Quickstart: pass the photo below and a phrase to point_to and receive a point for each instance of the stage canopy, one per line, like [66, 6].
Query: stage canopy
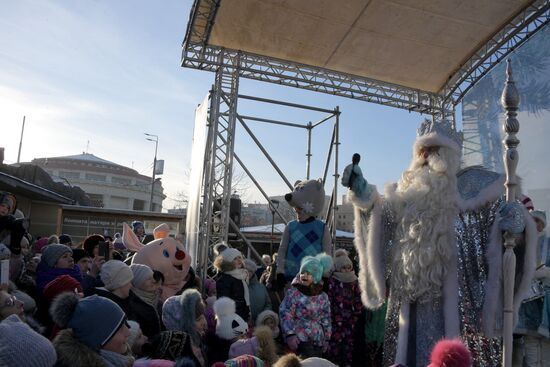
[431, 47]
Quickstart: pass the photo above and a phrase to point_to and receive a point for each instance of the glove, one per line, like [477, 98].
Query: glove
[512, 219]
[354, 180]
[292, 342]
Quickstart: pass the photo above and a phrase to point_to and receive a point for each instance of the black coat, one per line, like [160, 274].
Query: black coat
[228, 286]
[135, 309]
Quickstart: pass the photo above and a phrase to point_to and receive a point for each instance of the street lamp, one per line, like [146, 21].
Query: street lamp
[273, 204]
[154, 138]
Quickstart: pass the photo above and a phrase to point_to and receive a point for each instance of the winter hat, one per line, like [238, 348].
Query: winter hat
[180, 312]
[210, 287]
[65, 239]
[79, 254]
[317, 362]
[22, 346]
[250, 265]
[8, 199]
[40, 244]
[91, 242]
[94, 320]
[230, 254]
[63, 283]
[341, 259]
[527, 202]
[115, 274]
[136, 225]
[229, 325]
[53, 252]
[245, 361]
[219, 248]
[141, 274]
[316, 266]
[169, 345]
[450, 353]
[134, 332]
[267, 314]
[243, 346]
[540, 215]
[266, 260]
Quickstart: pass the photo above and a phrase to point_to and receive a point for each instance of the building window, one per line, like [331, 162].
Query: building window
[94, 177]
[139, 204]
[96, 199]
[121, 181]
[119, 202]
[69, 175]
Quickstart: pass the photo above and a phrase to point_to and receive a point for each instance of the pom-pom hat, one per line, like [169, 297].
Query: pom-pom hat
[341, 259]
[316, 266]
[229, 325]
[230, 254]
[94, 320]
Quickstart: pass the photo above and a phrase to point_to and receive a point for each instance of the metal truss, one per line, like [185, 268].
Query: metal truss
[267, 69]
[215, 217]
[510, 37]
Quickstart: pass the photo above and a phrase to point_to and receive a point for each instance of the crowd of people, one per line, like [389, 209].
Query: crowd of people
[66, 305]
[423, 288]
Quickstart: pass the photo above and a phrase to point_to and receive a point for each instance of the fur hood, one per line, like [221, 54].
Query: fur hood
[222, 265]
[71, 352]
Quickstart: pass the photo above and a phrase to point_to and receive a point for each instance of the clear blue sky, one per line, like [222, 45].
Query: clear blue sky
[108, 71]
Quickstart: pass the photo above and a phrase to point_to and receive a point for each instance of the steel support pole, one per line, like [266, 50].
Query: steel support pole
[336, 175]
[218, 177]
[308, 155]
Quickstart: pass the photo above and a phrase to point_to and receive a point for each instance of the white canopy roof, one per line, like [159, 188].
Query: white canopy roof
[418, 44]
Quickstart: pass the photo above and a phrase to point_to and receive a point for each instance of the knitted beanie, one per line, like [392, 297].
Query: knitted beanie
[22, 346]
[91, 242]
[115, 274]
[230, 254]
[245, 361]
[341, 259]
[65, 239]
[94, 320]
[316, 266]
[63, 283]
[40, 244]
[141, 274]
[250, 265]
[79, 254]
[53, 252]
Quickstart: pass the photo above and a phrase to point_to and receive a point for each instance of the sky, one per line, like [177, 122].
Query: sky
[96, 75]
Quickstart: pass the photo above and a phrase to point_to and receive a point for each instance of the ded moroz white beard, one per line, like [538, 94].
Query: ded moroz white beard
[425, 203]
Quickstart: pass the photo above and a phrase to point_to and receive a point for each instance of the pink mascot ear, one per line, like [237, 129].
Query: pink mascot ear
[161, 231]
[129, 238]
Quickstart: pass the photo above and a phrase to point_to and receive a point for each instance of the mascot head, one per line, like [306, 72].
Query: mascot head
[164, 254]
[308, 196]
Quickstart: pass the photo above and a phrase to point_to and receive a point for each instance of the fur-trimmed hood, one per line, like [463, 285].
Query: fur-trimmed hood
[72, 353]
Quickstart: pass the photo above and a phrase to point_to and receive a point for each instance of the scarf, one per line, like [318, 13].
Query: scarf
[311, 290]
[151, 298]
[345, 277]
[242, 275]
[113, 359]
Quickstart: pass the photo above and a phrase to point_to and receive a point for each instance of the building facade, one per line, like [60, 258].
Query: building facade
[108, 184]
